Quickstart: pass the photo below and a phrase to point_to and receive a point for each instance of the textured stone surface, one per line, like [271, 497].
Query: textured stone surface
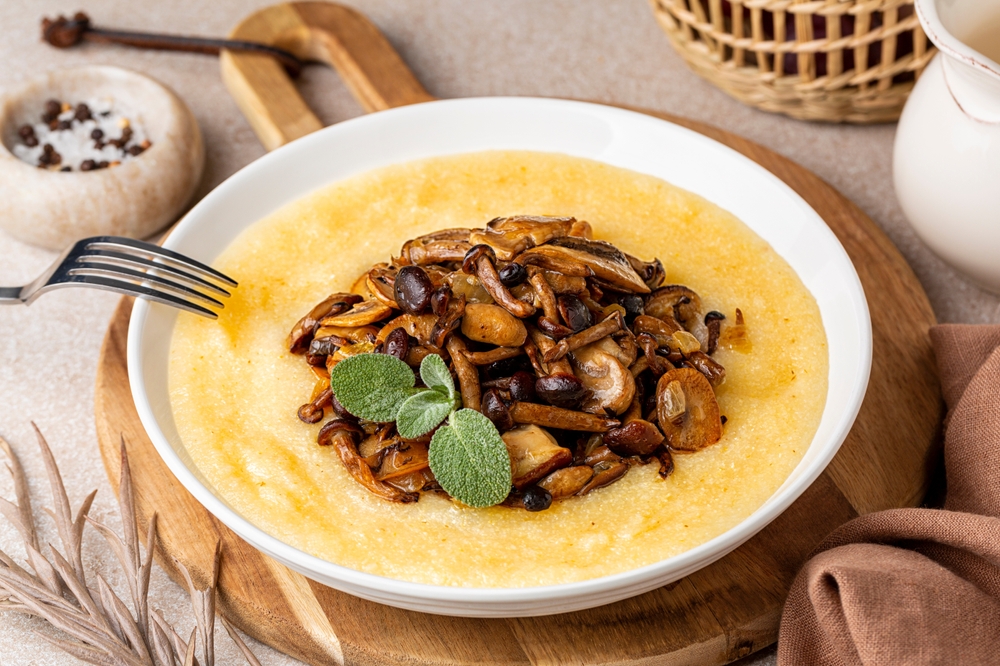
[590, 49]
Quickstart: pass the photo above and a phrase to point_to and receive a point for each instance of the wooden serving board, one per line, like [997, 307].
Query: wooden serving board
[716, 615]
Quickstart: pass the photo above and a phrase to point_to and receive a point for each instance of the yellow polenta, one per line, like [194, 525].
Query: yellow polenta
[235, 387]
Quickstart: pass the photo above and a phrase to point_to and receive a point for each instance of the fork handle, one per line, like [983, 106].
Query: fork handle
[10, 295]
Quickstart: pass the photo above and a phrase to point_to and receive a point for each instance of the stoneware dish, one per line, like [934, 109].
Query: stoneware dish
[614, 136]
[138, 198]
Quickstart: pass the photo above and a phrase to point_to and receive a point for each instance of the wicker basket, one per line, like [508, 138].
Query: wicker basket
[849, 61]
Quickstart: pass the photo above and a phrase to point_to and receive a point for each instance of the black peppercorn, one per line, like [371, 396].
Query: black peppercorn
[88, 165]
[24, 131]
[82, 112]
[537, 498]
[97, 134]
[53, 108]
[65, 124]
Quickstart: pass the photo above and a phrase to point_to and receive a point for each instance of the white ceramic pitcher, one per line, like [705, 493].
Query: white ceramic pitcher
[947, 156]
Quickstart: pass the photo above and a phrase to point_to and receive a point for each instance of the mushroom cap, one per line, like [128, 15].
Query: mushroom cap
[494, 325]
[607, 262]
[610, 385]
[509, 236]
[533, 454]
[696, 423]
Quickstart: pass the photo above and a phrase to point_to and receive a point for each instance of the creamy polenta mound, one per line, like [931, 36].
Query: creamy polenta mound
[236, 387]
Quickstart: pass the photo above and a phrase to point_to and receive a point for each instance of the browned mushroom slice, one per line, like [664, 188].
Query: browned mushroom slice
[509, 236]
[567, 481]
[533, 454]
[661, 329]
[342, 436]
[494, 355]
[605, 473]
[651, 360]
[380, 282]
[449, 321]
[565, 284]
[481, 261]
[413, 482]
[494, 325]
[601, 454]
[684, 305]
[438, 247]
[708, 366]
[602, 329]
[636, 438]
[468, 376]
[713, 322]
[605, 260]
[362, 314]
[419, 326]
[651, 272]
[348, 333]
[563, 419]
[302, 332]
[403, 458]
[666, 463]
[687, 410]
[610, 386]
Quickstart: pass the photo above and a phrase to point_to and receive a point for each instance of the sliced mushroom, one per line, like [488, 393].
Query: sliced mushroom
[708, 366]
[494, 325]
[565, 284]
[481, 260]
[661, 329]
[342, 436]
[684, 305]
[713, 322]
[605, 473]
[636, 436]
[606, 261]
[380, 283]
[362, 314]
[651, 272]
[448, 321]
[533, 454]
[656, 363]
[468, 376]
[567, 481]
[612, 324]
[666, 463]
[563, 419]
[403, 458]
[438, 247]
[302, 332]
[509, 236]
[610, 386]
[419, 326]
[494, 355]
[687, 410]
[601, 454]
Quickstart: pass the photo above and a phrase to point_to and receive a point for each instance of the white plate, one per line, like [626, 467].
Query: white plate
[614, 136]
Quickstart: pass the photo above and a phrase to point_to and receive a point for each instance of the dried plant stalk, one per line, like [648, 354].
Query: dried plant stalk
[98, 627]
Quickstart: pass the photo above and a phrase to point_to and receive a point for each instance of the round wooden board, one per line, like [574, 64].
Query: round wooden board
[716, 615]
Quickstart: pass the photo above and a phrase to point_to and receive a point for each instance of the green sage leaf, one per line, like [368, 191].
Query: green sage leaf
[372, 386]
[435, 374]
[422, 412]
[470, 460]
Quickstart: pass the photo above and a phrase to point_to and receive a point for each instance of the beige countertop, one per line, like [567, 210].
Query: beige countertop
[601, 50]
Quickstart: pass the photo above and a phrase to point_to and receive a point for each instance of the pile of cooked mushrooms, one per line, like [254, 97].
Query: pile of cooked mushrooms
[585, 362]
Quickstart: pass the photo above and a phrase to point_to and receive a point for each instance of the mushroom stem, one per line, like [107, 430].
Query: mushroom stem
[344, 444]
[612, 324]
[490, 279]
[493, 355]
[556, 417]
[468, 376]
[546, 296]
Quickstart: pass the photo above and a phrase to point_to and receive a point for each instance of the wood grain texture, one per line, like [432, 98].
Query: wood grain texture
[716, 615]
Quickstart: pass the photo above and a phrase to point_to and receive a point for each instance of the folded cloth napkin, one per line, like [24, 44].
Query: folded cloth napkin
[917, 586]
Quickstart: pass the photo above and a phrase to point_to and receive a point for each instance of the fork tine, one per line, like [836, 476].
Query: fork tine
[119, 259]
[130, 289]
[119, 273]
[116, 243]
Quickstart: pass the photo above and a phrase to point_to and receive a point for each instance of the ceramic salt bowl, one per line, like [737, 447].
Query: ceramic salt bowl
[136, 198]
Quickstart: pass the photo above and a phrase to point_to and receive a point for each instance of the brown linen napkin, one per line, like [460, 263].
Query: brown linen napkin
[917, 586]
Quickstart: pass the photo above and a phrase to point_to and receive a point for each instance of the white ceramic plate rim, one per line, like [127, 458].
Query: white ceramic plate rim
[461, 117]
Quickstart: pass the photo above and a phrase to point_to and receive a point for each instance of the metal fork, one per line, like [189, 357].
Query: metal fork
[134, 268]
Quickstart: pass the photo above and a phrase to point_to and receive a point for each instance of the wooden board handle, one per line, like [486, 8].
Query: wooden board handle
[319, 31]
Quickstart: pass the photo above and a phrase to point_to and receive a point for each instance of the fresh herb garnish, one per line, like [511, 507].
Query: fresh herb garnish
[467, 456]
